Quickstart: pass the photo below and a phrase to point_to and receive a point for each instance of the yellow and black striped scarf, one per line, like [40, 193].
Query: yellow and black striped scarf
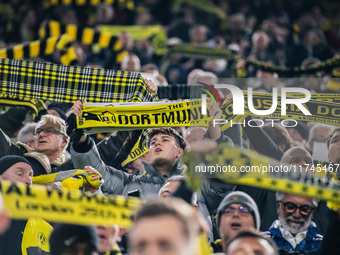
[128, 4]
[87, 36]
[59, 45]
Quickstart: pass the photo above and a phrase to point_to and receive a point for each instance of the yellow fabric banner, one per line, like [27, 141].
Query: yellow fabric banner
[69, 206]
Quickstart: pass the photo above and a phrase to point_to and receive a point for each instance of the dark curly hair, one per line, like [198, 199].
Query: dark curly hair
[167, 131]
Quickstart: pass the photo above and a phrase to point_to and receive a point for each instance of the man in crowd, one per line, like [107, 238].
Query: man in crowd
[163, 228]
[50, 143]
[166, 147]
[298, 157]
[295, 230]
[170, 186]
[249, 243]
[319, 133]
[237, 212]
[69, 239]
[26, 134]
[17, 169]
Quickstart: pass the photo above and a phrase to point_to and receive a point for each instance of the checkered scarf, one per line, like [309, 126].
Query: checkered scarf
[54, 82]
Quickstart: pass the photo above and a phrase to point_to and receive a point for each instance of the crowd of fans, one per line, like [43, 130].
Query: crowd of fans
[235, 219]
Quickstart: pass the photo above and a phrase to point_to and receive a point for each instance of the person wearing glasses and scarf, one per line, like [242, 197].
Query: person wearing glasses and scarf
[236, 212]
[50, 143]
[294, 230]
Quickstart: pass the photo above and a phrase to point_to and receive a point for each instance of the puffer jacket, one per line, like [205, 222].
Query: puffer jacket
[117, 182]
[312, 241]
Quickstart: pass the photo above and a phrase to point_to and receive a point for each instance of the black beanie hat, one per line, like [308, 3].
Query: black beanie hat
[8, 161]
[66, 235]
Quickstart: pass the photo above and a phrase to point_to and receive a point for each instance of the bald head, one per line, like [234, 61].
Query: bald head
[297, 156]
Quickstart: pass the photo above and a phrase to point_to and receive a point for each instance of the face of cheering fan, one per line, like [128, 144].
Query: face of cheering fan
[19, 172]
[295, 212]
[164, 148]
[50, 140]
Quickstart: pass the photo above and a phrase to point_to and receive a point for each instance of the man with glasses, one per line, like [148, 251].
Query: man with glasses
[295, 230]
[50, 143]
[237, 212]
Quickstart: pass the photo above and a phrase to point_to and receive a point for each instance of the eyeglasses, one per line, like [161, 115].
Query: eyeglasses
[243, 210]
[47, 131]
[290, 207]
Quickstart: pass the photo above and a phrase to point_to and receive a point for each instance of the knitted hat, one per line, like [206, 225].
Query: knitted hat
[8, 161]
[66, 235]
[239, 197]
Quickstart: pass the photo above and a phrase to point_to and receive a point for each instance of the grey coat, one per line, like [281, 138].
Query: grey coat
[117, 182]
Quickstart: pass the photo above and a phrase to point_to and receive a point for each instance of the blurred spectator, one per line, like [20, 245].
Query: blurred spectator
[260, 51]
[311, 82]
[144, 19]
[153, 70]
[173, 215]
[28, 26]
[317, 45]
[131, 63]
[126, 39]
[68, 16]
[26, 134]
[180, 25]
[319, 133]
[236, 29]
[279, 135]
[104, 14]
[251, 242]
[299, 132]
[266, 81]
[108, 238]
[73, 239]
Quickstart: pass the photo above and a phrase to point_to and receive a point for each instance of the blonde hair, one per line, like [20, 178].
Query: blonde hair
[59, 123]
[51, 119]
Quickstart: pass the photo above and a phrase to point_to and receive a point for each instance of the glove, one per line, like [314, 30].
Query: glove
[71, 129]
[71, 179]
